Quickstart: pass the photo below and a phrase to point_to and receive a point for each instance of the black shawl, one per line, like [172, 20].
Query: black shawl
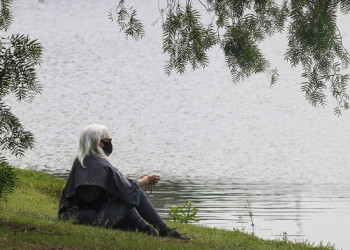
[99, 172]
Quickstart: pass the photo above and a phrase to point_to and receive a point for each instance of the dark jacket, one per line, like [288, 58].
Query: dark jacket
[98, 172]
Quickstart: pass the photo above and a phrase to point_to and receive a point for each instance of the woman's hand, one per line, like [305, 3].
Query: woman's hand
[149, 179]
[153, 179]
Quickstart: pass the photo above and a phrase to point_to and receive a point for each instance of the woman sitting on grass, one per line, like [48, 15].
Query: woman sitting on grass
[97, 193]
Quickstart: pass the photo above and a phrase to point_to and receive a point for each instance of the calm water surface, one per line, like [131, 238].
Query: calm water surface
[228, 148]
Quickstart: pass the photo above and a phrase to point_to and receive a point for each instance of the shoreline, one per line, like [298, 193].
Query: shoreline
[29, 221]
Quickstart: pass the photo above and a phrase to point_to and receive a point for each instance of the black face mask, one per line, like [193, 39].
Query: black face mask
[107, 146]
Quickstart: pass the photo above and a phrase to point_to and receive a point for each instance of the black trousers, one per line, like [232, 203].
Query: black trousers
[119, 215]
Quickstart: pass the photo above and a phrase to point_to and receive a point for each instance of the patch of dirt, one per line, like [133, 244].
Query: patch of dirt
[6, 243]
[21, 228]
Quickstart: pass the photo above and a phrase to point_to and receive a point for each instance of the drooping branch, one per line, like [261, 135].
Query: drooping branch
[238, 27]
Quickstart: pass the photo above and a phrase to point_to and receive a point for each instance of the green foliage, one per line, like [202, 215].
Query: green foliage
[13, 137]
[238, 27]
[250, 23]
[8, 180]
[18, 58]
[185, 214]
[5, 14]
[185, 39]
[315, 43]
[127, 21]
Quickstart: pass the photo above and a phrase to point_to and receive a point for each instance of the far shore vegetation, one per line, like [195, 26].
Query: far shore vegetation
[28, 220]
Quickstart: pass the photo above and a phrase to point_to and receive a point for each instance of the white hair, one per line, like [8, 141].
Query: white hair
[89, 142]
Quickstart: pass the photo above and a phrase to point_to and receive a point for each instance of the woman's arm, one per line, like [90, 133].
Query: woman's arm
[148, 179]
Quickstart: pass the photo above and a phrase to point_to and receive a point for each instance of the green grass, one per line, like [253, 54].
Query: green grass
[29, 221]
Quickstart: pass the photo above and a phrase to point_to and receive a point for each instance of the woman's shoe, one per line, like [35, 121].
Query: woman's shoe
[150, 231]
[172, 233]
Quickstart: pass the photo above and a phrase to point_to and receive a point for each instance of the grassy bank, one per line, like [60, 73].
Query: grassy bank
[29, 221]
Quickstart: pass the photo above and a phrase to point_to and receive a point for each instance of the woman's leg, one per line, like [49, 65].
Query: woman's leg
[149, 213]
[118, 214]
[112, 212]
[87, 217]
[133, 218]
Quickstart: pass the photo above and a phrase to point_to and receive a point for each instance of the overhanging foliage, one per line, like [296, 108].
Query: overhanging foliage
[239, 26]
[18, 58]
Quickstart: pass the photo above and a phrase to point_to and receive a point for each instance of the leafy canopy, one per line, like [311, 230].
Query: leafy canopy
[18, 58]
[239, 26]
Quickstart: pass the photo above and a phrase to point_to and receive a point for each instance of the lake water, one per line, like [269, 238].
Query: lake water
[229, 148]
